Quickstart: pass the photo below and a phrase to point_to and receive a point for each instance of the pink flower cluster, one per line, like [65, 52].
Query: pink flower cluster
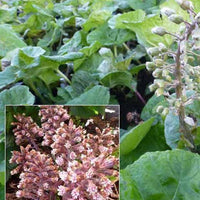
[73, 164]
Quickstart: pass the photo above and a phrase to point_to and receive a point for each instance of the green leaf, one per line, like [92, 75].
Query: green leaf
[108, 36]
[113, 79]
[17, 95]
[65, 58]
[128, 188]
[172, 133]
[127, 20]
[164, 175]
[86, 112]
[74, 44]
[82, 80]
[7, 14]
[96, 95]
[132, 138]
[89, 64]
[136, 21]
[153, 141]
[96, 18]
[65, 94]
[143, 4]
[89, 50]
[9, 40]
[8, 76]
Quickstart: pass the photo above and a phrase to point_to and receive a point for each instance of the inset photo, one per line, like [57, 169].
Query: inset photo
[62, 152]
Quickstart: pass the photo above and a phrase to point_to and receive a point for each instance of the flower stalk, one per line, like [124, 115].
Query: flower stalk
[181, 75]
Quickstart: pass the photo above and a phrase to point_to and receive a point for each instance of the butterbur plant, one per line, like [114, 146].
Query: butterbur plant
[62, 160]
[176, 69]
[159, 158]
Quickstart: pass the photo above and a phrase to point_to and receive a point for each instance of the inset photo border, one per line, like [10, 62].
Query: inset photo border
[62, 152]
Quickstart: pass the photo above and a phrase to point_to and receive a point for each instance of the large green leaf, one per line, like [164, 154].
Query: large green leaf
[8, 76]
[113, 79]
[143, 4]
[172, 133]
[127, 20]
[153, 141]
[96, 95]
[7, 14]
[82, 80]
[73, 44]
[128, 187]
[167, 175]
[96, 18]
[89, 64]
[9, 40]
[17, 95]
[136, 21]
[108, 36]
[130, 140]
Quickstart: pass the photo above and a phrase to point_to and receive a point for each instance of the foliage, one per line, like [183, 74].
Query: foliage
[94, 52]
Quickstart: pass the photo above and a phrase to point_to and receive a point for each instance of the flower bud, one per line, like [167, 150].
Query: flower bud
[189, 121]
[159, 62]
[196, 34]
[198, 17]
[153, 51]
[168, 78]
[185, 5]
[159, 83]
[153, 87]
[159, 109]
[165, 72]
[158, 30]
[191, 59]
[159, 92]
[157, 73]
[177, 19]
[162, 47]
[150, 66]
[167, 11]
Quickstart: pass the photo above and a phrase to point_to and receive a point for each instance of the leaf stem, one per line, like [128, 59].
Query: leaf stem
[115, 51]
[140, 97]
[63, 76]
[126, 46]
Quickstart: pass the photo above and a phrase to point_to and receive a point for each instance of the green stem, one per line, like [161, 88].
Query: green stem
[126, 46]
[63, 76]
[115, 51]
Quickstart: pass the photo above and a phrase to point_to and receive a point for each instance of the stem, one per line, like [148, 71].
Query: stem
[173, 35]
[179, 93]
[126, 46]
[115, 51]
[63, 76]
[140, 97]
[32, 142]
